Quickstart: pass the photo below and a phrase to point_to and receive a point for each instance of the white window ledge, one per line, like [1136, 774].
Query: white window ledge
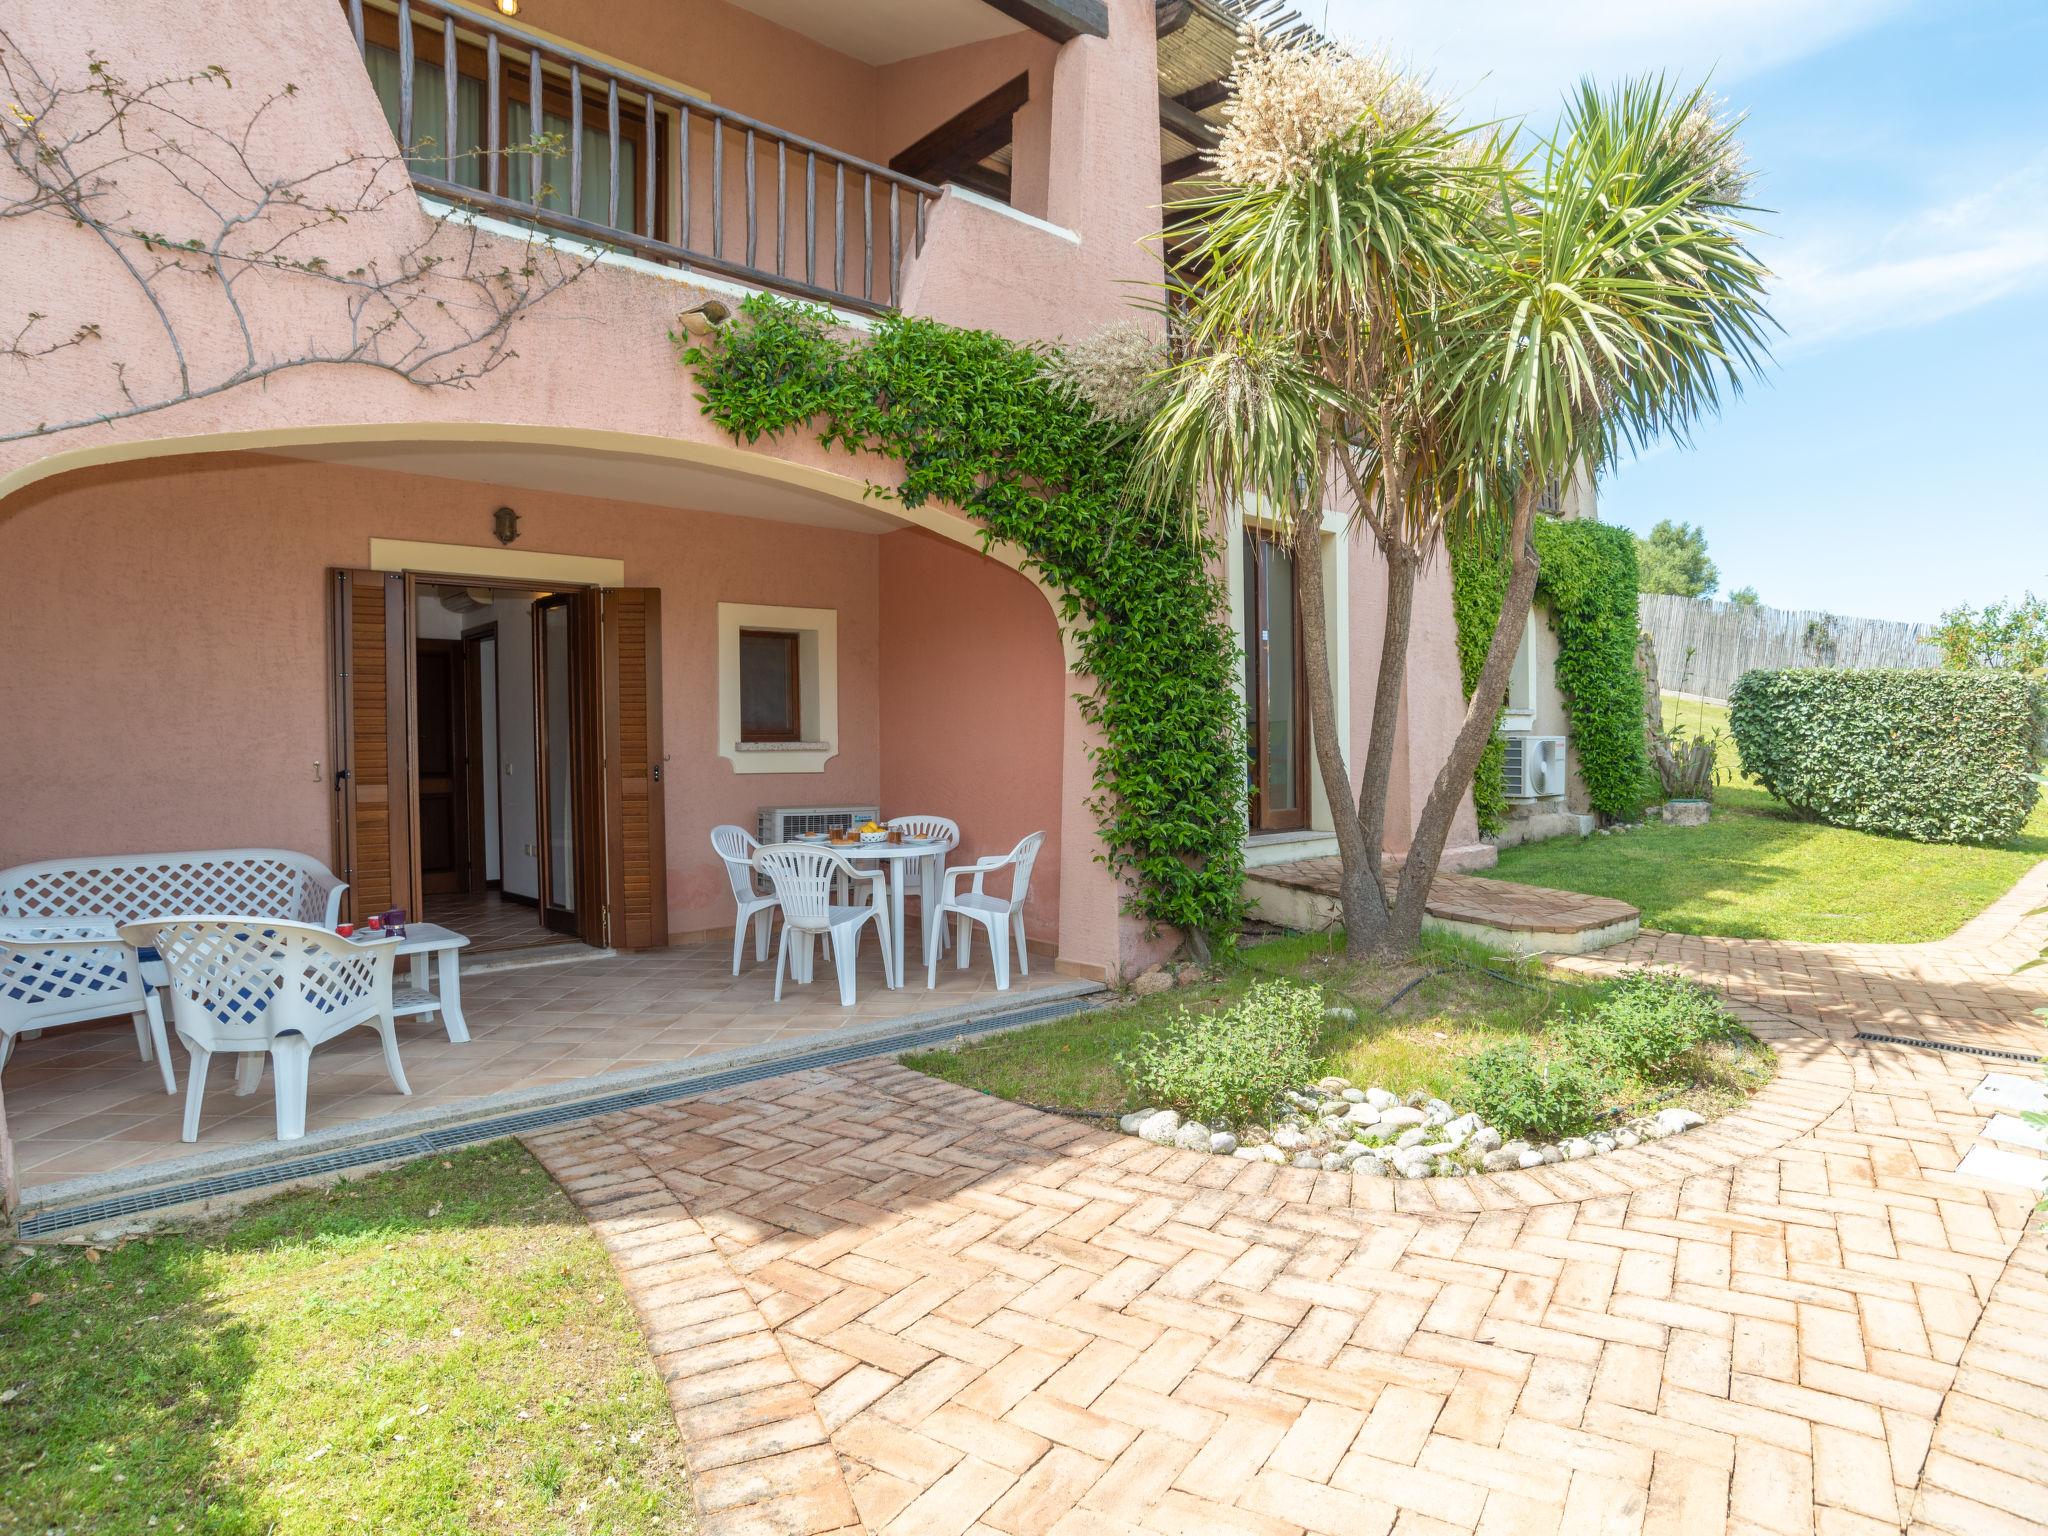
[817, 630]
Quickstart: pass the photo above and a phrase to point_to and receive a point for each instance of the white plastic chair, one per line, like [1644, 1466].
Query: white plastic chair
[803, 875]
[1002, 916]
[258, 984]
[736, 846]
[53, 973]
[945, 834]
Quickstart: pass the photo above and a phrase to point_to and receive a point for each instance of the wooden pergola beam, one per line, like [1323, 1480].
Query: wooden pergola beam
[1204, 96]
[1184, 167]
[1187, 124]
[1060, 20]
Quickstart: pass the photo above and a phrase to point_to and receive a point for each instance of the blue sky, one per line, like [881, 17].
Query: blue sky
[1893, 462]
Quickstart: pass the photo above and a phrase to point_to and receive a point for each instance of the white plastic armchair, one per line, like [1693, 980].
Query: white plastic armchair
[1002, 916]
[53, 972]
[803, 876]
[944, 834]
[736, 846]
[259, 984]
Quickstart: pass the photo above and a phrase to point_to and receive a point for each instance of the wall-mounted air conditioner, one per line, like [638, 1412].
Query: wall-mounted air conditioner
[780, 823]
[1534, 767]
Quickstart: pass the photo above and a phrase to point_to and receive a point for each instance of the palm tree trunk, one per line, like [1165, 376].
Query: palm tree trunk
[1363, 900]
[1418, 871]
[1396, 629]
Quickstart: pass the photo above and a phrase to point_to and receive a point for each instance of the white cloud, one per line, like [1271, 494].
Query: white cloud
[1941, 260]
[1508, 57]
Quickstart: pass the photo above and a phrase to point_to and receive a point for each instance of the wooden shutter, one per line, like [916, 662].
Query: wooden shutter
[636, 853]
[370, 715]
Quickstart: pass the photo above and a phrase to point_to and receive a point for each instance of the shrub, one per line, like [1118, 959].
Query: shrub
[1940, 757]
[1523, 1093]
[1229, 1067]
[1645, 1023]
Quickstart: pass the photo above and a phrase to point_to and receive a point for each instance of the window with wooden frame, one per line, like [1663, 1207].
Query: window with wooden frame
[771, 685]
[512, 176]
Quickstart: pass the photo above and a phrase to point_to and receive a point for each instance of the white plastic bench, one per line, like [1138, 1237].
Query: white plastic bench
[128, 887]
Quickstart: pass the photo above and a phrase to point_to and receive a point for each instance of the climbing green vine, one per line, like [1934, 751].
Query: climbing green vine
[1587, 586]
[973, 421]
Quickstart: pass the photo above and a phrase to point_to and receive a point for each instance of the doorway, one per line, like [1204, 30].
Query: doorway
[479, 727]
[1275, 687]
[483, 743]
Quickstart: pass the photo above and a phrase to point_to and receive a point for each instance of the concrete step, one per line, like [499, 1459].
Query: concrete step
[2015, 1132]
[1995, 1165]
[2010, 1091]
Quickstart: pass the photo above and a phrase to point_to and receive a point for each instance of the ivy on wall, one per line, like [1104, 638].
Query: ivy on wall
[1588, 584]
[974, 422]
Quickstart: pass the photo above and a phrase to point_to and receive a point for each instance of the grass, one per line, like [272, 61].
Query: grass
[440, 1348]
[1419, 1042]
[1758, 870]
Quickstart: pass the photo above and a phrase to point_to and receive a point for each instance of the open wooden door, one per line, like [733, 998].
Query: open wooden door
[636, 851]
[370, 716]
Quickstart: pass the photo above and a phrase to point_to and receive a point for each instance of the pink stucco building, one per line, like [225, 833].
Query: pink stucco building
[247, 605]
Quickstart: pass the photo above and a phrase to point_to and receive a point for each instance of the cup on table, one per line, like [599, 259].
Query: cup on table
[344, 929]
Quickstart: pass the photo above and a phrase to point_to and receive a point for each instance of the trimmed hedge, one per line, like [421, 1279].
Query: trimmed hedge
[1940, 757]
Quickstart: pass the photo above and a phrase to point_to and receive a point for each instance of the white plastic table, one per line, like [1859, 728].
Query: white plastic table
[422, 942]
[895, 858]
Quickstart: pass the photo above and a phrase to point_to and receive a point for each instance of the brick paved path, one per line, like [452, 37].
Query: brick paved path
[884, 1303]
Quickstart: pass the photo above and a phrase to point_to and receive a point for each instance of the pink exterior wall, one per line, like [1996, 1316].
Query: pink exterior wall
[974, 686]
[1102, 193]
[1432, 698]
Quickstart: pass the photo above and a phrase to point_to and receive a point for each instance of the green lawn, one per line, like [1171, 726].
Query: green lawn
[1759, 871]
[440, 1348]
[1420, 1042]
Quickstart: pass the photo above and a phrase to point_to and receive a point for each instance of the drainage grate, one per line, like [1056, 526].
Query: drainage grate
[1951, 1047]
[115, 1207]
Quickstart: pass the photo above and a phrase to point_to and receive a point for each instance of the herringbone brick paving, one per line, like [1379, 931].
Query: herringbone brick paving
[885, 1303]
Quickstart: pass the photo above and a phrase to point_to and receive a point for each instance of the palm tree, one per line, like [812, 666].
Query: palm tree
[1417, 314]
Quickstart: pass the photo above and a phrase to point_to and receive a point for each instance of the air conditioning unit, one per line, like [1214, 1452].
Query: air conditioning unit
[780, 823]
[1534, 766]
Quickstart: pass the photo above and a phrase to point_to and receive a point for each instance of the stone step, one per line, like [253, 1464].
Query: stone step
[2010, 1091]
[1995, 1165]
[2015, 1132]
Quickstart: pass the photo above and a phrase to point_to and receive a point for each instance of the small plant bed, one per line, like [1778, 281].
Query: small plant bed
[439, 1348]
[1461, 1063]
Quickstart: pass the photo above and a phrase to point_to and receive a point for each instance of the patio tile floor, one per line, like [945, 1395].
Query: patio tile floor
[80, 1101]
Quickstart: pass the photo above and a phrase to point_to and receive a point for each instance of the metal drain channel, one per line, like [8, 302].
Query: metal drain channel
[86, 1213]
[1951, 1048]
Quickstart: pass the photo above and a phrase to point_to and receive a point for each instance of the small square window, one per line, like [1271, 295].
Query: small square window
[771, 686]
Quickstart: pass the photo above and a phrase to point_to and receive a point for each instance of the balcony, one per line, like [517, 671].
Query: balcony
[560, 136]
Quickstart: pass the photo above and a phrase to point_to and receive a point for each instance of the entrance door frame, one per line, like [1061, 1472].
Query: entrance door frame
[484, 757]
[1261, 543]
[591, 835]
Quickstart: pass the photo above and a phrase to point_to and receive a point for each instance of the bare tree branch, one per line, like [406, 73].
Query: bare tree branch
[229, 246]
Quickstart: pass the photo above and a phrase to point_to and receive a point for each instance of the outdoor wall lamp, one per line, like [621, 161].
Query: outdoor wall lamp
[508, 7]
[504, 521]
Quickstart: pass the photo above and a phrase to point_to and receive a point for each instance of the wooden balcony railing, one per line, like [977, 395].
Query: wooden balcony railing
[543, 134]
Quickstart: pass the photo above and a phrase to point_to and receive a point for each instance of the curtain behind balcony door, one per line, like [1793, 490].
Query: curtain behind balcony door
[595, 203]
[430, 115]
